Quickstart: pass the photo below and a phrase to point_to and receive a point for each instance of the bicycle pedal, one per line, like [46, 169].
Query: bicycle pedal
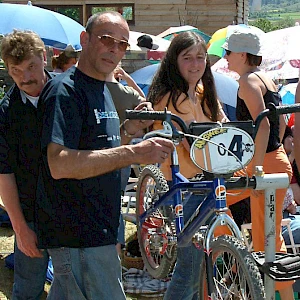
[285, 267]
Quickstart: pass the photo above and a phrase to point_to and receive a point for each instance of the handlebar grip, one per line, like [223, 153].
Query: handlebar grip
[288, 109]
[147, 115]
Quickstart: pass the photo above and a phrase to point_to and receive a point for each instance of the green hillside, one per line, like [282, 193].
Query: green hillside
[276, 14]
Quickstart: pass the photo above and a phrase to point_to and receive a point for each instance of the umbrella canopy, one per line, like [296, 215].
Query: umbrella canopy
[281, 53]
[288, 93]
[56, 30]
[214, 46]
[171, 32]
[144, 76]
[226, 86]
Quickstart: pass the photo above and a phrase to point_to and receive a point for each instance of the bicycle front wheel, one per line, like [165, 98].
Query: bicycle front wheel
[156, 232]
[235, 273]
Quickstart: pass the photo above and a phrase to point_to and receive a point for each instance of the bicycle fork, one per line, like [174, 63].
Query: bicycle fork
[220, 219]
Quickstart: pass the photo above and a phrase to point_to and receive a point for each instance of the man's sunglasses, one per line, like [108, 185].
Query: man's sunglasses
[109, 41]
[227, 52]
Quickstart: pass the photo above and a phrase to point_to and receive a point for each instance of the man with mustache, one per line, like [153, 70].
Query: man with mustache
[79, 194]
[23, 53]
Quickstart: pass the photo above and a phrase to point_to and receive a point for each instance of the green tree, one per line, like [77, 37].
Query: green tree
[72, 13]
[266, 25]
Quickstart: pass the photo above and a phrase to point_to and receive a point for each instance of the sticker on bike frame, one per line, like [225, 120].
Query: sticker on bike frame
[220, 192]
[209, 151]
[179, 210]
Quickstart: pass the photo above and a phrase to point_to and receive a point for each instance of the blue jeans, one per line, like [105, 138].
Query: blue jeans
[185, 280]
[121, 231]
[29, 274]
[295, 228]
[86, 273]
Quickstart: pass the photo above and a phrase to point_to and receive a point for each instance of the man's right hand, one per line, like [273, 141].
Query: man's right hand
[154, 150]
[27, 243]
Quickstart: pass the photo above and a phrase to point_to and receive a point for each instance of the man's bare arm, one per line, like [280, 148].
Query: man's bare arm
[79, 164]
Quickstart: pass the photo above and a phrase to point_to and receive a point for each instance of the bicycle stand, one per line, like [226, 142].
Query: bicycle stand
[275, 266]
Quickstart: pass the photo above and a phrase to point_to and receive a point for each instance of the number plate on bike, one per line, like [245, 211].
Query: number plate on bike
[222, 150]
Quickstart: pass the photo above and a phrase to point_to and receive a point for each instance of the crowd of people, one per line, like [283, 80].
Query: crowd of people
[65, 152]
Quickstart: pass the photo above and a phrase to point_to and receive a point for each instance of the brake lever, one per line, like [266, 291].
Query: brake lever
[166, 132]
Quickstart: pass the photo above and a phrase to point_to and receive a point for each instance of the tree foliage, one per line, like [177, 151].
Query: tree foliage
[72, 13]
[266, 25]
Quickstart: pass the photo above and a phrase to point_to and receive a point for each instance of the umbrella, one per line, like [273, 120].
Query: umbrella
[226, 86]
[171, 32]
[144, 76]
[281, 53]
[287, 93]
[56, 30]
[214, 46]
[221, 66]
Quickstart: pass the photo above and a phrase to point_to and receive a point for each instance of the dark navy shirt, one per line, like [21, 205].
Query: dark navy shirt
[71, 212]
[20, 146]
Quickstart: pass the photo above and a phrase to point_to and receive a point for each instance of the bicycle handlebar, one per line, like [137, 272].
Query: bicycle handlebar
[274, 111]
[271, 111]
[156, 116]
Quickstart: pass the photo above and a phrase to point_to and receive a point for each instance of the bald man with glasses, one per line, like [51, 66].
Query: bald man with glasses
[79, 195]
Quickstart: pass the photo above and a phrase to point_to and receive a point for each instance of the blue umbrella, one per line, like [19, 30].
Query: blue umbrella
[144, 76]
[56, 30]
[287, 93]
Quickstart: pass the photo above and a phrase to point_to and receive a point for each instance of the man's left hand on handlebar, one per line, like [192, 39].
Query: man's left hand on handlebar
[135, 126]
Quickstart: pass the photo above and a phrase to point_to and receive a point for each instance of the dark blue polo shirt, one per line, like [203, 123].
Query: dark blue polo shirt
[71, 212]
[20, 146]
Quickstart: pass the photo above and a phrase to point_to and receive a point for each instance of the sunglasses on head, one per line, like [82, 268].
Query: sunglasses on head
[227, 52]
[109, 41]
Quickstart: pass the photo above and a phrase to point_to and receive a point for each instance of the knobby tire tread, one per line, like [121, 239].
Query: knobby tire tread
[166, 263]
[246, 261]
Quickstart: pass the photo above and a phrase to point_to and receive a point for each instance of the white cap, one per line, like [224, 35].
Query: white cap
[244, 41]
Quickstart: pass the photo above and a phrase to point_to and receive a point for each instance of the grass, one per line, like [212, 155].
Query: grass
[6, 275]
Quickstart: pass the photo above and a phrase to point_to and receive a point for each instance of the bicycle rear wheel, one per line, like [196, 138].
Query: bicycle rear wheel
[155, 234]
[235, 273]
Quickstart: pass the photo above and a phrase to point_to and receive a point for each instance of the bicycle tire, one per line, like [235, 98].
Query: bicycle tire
[158, 254]
[229, 254]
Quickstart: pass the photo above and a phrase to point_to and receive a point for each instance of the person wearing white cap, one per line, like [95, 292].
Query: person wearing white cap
[244, 55]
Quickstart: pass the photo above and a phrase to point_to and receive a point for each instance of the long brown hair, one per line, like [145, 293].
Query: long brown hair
[168, 78]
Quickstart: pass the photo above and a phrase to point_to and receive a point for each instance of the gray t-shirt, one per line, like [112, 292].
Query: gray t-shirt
[124, 97]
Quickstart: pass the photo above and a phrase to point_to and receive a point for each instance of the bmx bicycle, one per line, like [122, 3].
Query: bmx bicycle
[219, 150]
